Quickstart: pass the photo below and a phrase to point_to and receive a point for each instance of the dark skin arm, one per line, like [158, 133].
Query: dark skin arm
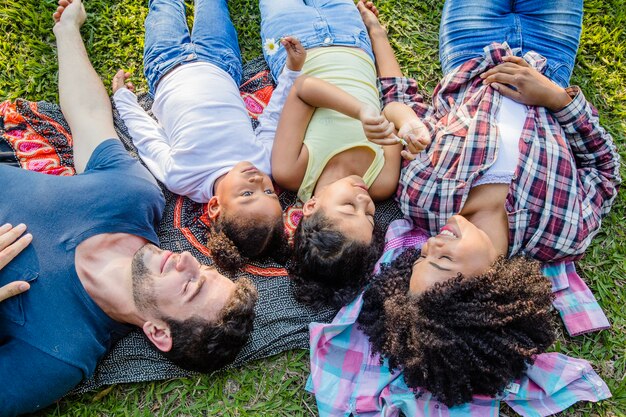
[289, 156]
[411, 130]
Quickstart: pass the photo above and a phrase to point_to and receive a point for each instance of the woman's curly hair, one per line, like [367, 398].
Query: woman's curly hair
[328, 269]
[234, 242]
[205, 346]
[464, 336]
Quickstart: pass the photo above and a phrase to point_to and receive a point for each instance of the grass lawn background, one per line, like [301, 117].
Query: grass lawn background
[275, 387]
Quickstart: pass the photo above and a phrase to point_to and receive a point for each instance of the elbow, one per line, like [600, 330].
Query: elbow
[284, 178]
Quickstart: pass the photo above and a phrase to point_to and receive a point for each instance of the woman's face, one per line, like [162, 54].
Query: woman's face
[460, 247]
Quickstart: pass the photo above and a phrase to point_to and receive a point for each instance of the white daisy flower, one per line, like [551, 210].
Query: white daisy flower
[271, 46]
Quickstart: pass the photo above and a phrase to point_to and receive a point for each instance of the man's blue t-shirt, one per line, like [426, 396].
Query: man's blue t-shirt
[52, 336]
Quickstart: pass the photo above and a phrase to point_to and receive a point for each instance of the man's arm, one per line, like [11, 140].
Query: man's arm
[83, 98]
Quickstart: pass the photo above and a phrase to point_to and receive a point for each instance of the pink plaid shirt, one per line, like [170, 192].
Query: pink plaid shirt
[567, 174]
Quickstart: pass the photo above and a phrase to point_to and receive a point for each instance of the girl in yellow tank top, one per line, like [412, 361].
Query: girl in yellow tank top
[333, 145]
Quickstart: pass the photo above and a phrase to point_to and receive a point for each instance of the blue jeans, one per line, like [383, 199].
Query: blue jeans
[315, 23]
[549, 27]
[168, 42]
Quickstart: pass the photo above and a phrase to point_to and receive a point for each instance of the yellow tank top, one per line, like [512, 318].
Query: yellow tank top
[330, 132]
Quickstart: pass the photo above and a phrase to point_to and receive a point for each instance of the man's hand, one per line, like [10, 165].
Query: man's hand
[120, 81]
[70, 13]
[530, 86]
[416, 136]
[377, 128]
[296, 54]
[11, 244]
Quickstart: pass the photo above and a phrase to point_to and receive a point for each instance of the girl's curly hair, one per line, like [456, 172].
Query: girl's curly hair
[327, 268]
[234, 242]
[464, 336]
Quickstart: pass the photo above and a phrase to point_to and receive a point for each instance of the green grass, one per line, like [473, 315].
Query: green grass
[114, 36]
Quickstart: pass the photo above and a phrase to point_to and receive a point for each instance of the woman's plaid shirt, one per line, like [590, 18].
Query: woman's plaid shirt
[565, 181]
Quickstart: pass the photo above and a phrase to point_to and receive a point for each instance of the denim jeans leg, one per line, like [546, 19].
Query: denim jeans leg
[215, 38]
[552, 28]
[167, 42]
[345, 24]
[286, 18]
[315, 23]
[467, 26]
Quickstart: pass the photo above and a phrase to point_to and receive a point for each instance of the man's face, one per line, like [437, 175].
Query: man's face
[245, 192]
[346, 203]
[460, 247]
[177, 286]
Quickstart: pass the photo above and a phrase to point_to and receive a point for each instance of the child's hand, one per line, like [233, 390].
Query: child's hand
[416, 136]
[296, 54]
[377, 128]
[119, 81]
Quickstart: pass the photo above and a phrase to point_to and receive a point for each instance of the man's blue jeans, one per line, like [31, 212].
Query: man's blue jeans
[315, 23]
[549, 27]
[168, 42]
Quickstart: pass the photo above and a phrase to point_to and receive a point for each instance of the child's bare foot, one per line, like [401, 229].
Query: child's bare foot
[120, 81]
[70, 13]
[369, 14]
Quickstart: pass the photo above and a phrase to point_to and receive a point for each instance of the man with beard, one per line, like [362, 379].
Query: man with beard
[94, 266]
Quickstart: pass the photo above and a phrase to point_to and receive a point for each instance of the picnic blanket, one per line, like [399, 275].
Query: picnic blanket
[36, 137]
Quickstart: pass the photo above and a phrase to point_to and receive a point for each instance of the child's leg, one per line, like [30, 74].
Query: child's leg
[467, 26]
[215, 38]
[552, 28]
[167, 42]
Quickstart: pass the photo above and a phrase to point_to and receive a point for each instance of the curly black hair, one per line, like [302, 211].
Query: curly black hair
[233, 241]
[327, 268]
[464, 336]
[203, 346]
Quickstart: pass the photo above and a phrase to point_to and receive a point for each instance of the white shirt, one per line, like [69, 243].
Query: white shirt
[510, 120]
[203, 128]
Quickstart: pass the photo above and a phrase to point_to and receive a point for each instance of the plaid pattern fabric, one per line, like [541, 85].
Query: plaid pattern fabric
[348, 380]
[567, 174]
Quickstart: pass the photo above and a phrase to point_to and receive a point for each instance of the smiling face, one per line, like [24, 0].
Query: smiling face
[245, 192]
[176, 285]
[347, 204]
[460, 247]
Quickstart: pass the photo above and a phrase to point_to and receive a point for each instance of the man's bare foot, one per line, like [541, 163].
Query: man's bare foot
[120, 81]
[369, 14]
[69, 13]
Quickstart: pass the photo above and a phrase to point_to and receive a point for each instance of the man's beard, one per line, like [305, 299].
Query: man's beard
[143, 282]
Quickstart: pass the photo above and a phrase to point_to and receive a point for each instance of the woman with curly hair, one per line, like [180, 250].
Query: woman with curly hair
[519, 164]
[519, 171]
[462, 336]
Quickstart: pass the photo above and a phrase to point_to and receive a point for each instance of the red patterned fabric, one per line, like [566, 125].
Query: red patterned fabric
[40, 143]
